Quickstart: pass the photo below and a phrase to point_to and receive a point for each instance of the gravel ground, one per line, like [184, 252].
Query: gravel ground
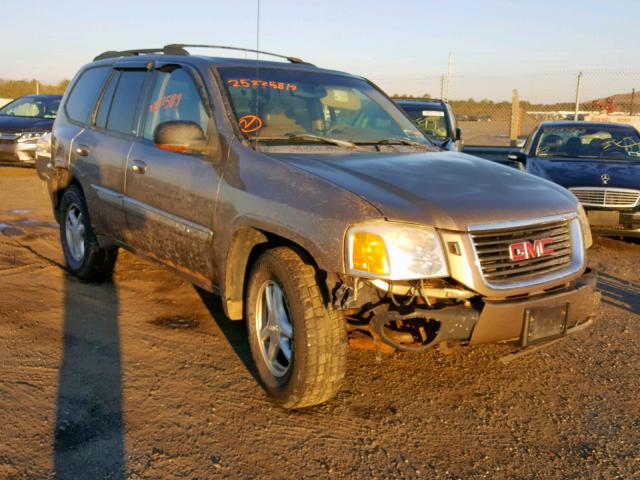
[144, 377]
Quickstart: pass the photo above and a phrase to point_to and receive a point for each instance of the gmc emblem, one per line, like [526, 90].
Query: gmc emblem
[526, 250]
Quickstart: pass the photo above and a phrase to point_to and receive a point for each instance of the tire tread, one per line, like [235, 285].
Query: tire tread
[326, 359]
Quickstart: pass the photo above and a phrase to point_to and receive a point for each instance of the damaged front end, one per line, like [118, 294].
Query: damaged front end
[408, 316]
[416, 315]
[412, 286]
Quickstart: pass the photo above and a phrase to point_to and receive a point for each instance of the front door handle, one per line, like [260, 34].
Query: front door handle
[82, 150]
[138, 166]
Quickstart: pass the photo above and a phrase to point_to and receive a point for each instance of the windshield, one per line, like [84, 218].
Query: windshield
[34, 107]
[614, 143]
[433, 123]
[298, 106]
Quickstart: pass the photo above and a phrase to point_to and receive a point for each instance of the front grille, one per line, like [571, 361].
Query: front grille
[9, 137]
[606, 197]
[492, 249]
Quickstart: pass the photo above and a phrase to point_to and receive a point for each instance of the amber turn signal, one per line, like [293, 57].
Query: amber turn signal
[369, 253]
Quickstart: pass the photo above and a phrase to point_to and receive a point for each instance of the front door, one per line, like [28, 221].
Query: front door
[170, 197]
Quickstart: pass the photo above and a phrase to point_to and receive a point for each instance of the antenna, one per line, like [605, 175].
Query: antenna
[258, 32]
[257, 92]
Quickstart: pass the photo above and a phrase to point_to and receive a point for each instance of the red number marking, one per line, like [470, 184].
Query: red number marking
[168, 101]
[247, 83]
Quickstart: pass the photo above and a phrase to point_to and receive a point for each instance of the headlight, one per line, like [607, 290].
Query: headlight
[395, 251]
[43, 147]
[585, 227]
[30, 136]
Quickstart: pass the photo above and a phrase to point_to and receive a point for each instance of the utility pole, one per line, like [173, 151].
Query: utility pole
[442, 87]
[633, 94]
[37, 87]
[578, 89]
[449, 78]
[514, 124]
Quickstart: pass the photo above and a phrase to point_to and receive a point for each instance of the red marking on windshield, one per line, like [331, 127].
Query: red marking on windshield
[249, 83]
[249, 123]
[168, 101]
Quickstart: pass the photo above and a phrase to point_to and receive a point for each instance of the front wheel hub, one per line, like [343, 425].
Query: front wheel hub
[274, 328]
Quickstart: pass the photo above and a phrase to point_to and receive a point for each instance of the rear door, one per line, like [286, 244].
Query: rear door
[170, 196]
[102, 148]
[73, 117]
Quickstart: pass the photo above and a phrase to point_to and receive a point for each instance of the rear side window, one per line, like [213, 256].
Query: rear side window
[125, 100]
[105, 103]
[85, 93]
[175, 97]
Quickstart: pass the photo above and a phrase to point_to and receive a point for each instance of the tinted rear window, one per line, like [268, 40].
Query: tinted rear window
[125, 101]
[85, 93]
[103, 109]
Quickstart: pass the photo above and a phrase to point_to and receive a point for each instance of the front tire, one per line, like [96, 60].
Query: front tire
[298, 344]
[83, 255]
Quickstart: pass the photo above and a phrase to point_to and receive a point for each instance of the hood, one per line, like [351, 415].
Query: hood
[448, 190]
[588, 172]
[10, 124]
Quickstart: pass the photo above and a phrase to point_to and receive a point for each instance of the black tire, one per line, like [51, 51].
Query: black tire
[319, 340]
[94, 263]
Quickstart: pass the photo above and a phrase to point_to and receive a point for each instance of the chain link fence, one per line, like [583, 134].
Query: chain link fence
[527, 100]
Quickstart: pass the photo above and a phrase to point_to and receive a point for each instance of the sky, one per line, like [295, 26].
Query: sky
[536, 46]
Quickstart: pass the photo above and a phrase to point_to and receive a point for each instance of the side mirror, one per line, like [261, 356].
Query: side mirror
[519, 157]
[458, 134]
[180, 136]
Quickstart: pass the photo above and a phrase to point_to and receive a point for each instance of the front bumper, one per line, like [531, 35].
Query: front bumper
[614, 223]
[18, 152]
[503, 320]
[529, 319]
[616, 232]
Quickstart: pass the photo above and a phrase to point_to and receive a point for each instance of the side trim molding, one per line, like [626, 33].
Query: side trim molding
[147, 212]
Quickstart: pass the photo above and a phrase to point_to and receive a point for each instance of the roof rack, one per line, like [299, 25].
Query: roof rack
[182, 46]
[166, 50]
[179, 49]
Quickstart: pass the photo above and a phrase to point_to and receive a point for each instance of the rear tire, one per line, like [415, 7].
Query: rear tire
[298, 344]
[83, 255]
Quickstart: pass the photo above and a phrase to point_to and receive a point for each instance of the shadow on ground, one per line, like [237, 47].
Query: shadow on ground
[89, 430]
[619, 293]
[234, 331]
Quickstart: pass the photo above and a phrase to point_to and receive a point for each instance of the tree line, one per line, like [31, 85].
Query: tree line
[18, 88]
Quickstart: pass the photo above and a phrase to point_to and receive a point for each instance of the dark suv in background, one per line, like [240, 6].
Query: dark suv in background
[312, 205]
[436, 120]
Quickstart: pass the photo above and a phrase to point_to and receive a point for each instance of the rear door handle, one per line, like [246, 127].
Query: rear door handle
[82, 150]
[138, 166]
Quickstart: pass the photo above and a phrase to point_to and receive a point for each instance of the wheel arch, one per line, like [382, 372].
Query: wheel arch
[65, 179]
[247, 244]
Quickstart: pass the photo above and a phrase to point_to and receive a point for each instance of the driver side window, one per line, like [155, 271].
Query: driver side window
[175, 97]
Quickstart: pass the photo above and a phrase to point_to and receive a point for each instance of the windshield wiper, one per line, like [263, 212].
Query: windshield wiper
[313, 138]
[319, 138]
[400, 141]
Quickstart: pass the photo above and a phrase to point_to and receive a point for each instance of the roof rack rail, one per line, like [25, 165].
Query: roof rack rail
[179, 49]
[166, 50]
[182, 46]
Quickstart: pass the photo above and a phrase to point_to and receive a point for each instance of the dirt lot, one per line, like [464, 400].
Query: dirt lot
[144, 377]
[494, 133]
